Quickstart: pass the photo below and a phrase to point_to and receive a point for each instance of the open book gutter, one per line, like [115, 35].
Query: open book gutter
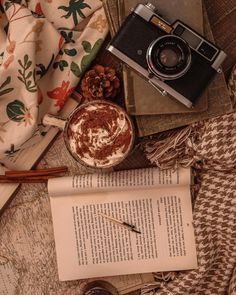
[106, 224]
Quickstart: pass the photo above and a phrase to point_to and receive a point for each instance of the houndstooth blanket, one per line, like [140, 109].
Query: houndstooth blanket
[210, 146]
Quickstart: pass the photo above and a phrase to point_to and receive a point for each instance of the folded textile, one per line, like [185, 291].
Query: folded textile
[45, 47]
[210, 147]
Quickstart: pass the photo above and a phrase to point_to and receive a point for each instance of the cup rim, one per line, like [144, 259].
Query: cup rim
[80, 107]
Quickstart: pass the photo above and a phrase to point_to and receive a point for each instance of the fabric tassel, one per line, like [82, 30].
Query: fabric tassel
[177, 148]
[161, 278]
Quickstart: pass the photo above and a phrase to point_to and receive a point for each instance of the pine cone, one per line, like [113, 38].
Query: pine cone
[100, 83]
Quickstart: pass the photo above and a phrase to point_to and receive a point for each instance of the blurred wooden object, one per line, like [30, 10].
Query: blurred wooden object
[222, 16]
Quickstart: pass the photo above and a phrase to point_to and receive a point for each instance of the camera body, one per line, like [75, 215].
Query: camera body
[174, 58]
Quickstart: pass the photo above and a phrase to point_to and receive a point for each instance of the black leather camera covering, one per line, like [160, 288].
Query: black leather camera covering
[133, 40]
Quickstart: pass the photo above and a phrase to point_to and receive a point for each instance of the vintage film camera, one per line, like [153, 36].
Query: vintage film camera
[175, 59]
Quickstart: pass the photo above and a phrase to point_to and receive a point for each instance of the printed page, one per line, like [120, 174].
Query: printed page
[121, 180]
[89, 244]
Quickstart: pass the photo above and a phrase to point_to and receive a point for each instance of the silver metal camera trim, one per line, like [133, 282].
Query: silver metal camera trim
[154, 80]
[217, 60]
[146, 13]
[152, 66]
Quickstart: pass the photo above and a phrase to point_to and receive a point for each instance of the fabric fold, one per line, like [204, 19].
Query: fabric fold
[45, 48]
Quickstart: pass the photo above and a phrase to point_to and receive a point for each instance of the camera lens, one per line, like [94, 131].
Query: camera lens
[169, 57]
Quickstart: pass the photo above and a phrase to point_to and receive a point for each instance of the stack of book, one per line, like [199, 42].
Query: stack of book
[153, 112]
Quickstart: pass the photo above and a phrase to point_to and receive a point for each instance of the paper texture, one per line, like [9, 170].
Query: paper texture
[121, 180]
[219, 103]
[90, 245]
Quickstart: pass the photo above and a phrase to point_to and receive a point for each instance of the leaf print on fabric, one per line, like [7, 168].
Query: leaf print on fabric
[11, 151]
[99, 24]
[36, 30]
[8, 4]
[70, 52]
[68, 37]
[4, 84]
[42, 70]
[61, 93]
[16, 10]
[28, 78]
[17, 112]
[75, 7]
[61, 64]
[87, 59]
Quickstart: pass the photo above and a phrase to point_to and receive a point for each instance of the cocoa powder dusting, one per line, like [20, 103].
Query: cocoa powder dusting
[100, 135]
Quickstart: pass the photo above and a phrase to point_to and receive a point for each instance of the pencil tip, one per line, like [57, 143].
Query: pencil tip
[136, 231]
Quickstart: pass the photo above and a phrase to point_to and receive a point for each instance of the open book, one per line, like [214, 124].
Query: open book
[90, 241]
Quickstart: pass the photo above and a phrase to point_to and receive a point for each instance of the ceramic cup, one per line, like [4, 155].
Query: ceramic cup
[97, 134]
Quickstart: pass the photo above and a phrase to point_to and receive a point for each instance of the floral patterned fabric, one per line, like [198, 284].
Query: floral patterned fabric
[45, 47]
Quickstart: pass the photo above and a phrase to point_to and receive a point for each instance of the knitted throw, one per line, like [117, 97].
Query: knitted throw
[210, 147]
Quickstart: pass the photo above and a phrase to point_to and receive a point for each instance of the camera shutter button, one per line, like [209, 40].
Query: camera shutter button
[150, 6]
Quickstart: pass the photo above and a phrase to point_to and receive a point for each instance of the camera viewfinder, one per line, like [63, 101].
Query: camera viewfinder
[192, 39]
[207, 50]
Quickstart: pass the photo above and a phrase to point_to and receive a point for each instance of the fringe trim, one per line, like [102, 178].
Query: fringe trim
[178, 148]
[161, 279]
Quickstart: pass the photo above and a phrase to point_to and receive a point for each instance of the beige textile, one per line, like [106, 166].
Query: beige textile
[211, 148]
[45, 47]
